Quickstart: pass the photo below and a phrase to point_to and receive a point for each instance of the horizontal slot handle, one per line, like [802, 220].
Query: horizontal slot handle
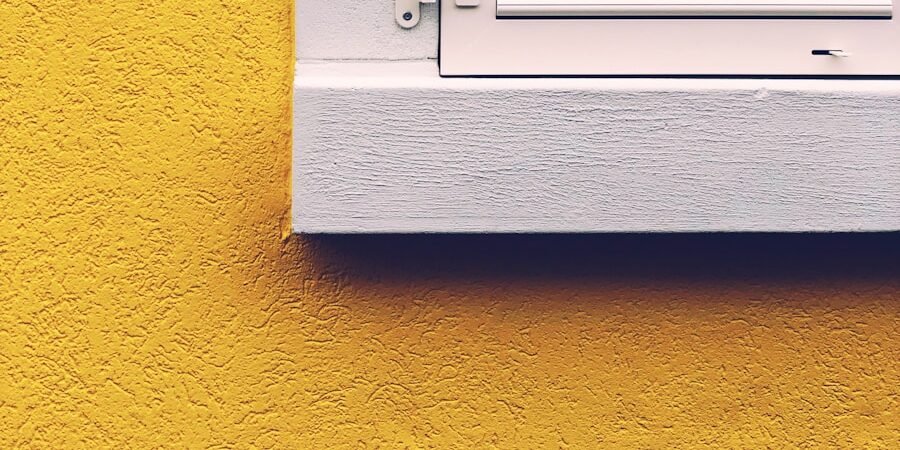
[713, 8]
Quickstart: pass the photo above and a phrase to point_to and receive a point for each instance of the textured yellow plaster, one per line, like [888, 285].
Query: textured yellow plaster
[150, 296]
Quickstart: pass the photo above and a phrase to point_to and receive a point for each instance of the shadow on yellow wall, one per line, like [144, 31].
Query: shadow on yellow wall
[685, 258]
[621, 340]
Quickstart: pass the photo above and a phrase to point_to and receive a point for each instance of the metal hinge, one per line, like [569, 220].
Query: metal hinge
[408, 12]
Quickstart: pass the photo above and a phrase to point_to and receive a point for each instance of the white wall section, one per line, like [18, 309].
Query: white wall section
[362, 30]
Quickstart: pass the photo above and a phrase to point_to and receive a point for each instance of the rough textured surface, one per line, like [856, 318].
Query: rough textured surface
[149, 296]
[401, 150]
[361, 30]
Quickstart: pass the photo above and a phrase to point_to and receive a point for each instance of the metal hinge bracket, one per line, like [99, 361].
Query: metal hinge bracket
[408, 12]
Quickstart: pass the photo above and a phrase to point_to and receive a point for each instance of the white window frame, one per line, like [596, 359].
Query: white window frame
[672, 37]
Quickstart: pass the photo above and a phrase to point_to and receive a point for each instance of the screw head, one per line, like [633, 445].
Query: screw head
[407, 16]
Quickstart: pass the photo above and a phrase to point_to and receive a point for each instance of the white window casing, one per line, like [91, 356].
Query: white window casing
[389, 139]
[711, 8]
[787, 38]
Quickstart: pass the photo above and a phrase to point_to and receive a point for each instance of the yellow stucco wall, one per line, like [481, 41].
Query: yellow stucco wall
[151, 296]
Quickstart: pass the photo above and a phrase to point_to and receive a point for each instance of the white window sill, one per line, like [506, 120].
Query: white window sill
[392, 147]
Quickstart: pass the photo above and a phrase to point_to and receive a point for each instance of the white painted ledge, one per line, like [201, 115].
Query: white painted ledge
[392, 147]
